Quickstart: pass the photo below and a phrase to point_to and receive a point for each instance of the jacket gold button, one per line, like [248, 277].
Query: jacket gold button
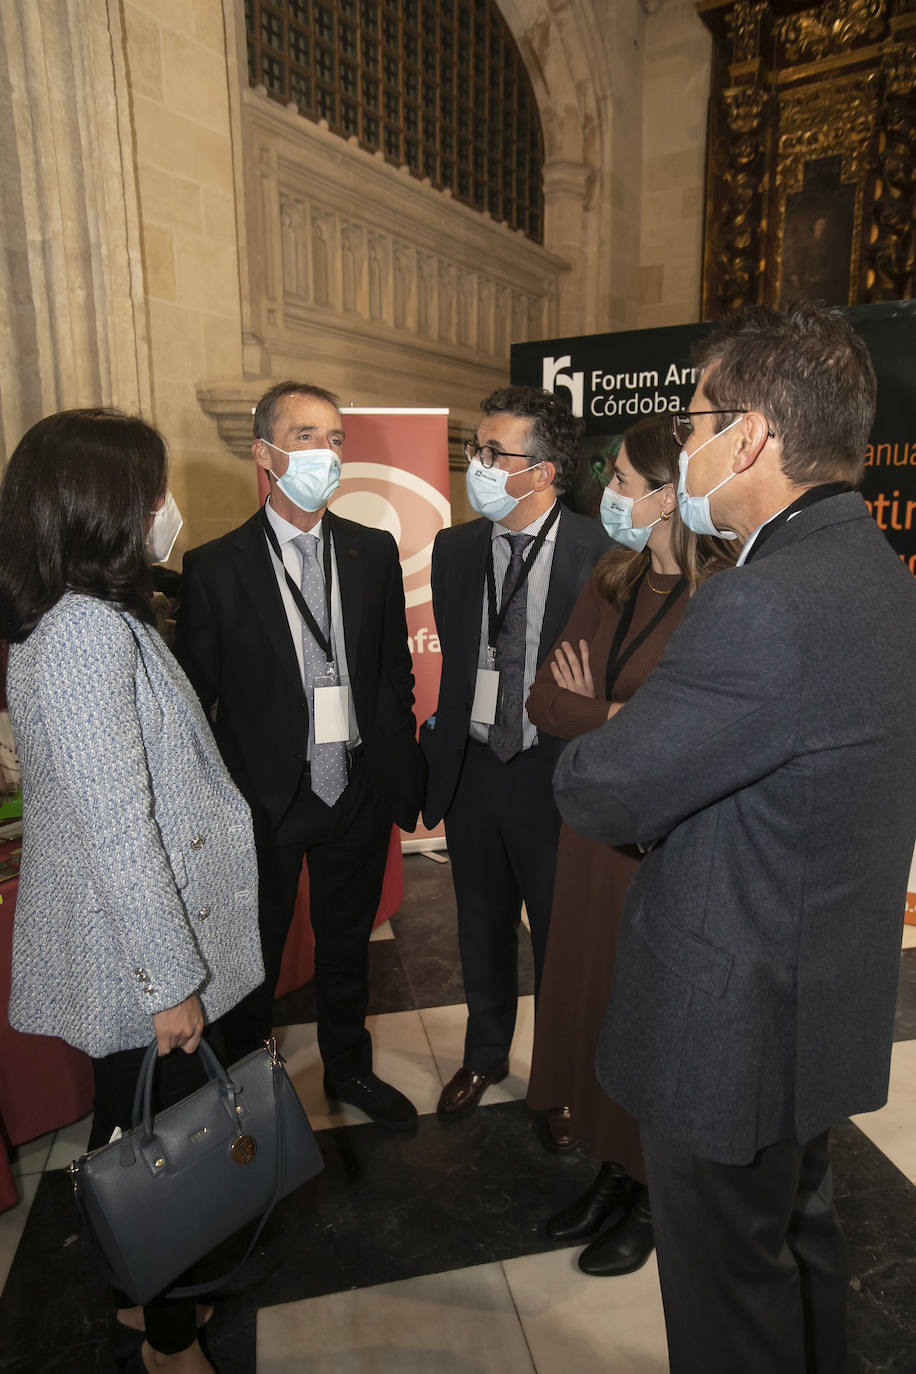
[204, 912]
[198, 842]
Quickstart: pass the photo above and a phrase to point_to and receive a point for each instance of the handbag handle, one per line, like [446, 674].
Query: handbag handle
[197, 1290]
[142, 1112]
[145, 1076]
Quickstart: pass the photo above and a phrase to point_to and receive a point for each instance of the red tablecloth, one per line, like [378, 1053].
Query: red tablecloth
[43, 1082]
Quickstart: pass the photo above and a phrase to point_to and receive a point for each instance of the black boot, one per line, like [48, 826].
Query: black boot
[626, 1246]
[608, 1193]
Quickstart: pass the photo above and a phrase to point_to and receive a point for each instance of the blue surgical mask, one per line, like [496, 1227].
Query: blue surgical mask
[694, 510]
[486, 489]
[617, 518]
[312, 477]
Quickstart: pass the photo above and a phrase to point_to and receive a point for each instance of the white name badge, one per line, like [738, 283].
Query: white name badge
[483, 711]
[332, 714]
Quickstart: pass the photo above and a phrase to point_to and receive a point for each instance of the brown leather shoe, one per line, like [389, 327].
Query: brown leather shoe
[463, 1092]
[560, 1136]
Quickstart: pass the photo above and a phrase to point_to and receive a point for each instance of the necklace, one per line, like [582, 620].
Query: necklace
[659, 591]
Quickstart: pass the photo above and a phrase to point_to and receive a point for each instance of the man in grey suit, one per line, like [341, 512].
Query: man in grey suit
[768, 767]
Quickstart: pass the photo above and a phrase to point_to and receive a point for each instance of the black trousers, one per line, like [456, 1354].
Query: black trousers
[346, 846]
[170, 1325]
[751, 1260]
[502, 830]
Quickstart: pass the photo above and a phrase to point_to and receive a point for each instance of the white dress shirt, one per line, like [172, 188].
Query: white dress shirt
[537, 584]
[292, 562]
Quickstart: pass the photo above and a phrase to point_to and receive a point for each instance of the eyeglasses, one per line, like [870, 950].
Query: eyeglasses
[487, 454]
[682, 422]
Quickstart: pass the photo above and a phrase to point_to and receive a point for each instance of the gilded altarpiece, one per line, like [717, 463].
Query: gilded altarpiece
[811, 155]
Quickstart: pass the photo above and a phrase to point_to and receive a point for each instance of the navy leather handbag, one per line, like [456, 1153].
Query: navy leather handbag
[174, 1186]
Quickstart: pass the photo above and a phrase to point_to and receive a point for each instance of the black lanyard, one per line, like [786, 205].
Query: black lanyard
[616, 659]
[807, 498]
[302, 606]
[495, 619]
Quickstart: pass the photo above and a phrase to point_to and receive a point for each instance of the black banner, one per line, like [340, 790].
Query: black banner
[613, 380]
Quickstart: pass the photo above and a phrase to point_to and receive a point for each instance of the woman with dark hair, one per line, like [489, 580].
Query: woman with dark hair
[136, 917]
[616, 635]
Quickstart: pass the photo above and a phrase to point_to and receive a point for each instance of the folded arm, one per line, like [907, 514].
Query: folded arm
[718, 713]
[556, 709]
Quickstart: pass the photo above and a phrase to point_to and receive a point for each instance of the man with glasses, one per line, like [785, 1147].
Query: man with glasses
[503, 588]
[767, 767]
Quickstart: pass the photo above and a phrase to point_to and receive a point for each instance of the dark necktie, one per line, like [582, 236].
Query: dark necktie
[328, 761]
[506, 734]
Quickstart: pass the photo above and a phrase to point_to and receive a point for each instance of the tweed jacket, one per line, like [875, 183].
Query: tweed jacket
[458, 576]
[769, 759]
[138, 883]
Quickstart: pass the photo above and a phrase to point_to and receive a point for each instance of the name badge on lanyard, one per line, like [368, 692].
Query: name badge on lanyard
[330, 697]
[331, 709]
[486, 690]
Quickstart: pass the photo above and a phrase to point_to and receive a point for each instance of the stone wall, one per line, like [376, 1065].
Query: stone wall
[171, 241]
[72, 320]
[179, 73]
[676, 71]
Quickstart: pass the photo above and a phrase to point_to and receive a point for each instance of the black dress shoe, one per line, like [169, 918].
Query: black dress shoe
[625, 1247]
[560, 1136]
[384, 1104]
[464, 1090]
[604, 1200]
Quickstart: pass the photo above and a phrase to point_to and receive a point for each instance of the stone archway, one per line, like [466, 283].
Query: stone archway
[585, 62]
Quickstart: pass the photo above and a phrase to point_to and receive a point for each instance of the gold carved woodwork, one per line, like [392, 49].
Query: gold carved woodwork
[743, 182]
[889, 255]
[811, 161]
[744, 23]
[831, 28]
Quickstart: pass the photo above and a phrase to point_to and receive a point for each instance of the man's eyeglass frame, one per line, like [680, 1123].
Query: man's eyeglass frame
[472, 450]
[680, 416]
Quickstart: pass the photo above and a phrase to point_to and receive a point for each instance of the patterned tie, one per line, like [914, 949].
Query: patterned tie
[506, 734]
[329, 761]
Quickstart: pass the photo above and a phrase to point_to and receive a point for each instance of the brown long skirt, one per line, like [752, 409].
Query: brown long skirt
[591, 882]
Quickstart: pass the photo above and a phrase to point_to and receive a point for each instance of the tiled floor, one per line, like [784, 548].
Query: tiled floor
[424, 1254]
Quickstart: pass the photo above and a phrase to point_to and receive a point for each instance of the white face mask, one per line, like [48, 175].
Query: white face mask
[617, 518]
[164, 530]
[486, 489]
[694, 510]
[312, 477]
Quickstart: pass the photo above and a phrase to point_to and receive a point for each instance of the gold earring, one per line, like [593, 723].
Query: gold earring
[666, 515]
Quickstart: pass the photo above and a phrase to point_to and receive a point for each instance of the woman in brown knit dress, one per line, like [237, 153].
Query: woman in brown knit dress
[621, 623]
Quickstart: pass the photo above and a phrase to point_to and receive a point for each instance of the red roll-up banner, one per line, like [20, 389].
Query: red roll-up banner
[395, 477]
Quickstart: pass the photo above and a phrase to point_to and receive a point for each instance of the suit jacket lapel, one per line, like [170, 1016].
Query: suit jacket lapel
[563, 580]
[467, 595]
[255, 569]
[843, 506]
[351, 574]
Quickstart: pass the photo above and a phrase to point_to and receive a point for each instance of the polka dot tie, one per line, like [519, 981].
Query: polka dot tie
[329, 761]
[505, 737]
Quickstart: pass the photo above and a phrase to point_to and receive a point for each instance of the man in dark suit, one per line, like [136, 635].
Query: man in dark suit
[768, 766]
[317, 728]
[503, 589]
